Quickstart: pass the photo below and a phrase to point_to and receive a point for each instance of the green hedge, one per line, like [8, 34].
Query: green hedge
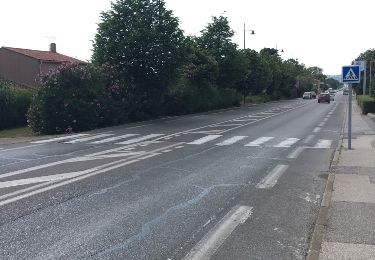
[366, 103]
[14, 104]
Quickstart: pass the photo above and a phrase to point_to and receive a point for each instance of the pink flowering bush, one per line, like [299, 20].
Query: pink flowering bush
[75, 98]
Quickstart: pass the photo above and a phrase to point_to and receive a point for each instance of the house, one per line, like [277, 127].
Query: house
[23, 66]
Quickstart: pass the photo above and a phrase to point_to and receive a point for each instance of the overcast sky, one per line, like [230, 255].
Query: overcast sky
[324, 33]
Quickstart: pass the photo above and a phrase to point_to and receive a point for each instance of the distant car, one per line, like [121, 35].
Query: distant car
[332, 96]
[307, 95]
[345, 92]
[313, 94]
[324, 97]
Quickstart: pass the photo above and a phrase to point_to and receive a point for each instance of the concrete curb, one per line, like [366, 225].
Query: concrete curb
[322, 220]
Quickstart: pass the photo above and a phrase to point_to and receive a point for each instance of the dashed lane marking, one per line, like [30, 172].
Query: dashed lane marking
[211, 242]
[317, 129]
[308, 139]
[271, 179]
[296, 152]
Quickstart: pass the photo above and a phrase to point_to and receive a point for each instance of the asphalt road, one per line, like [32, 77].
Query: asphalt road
[242, 183]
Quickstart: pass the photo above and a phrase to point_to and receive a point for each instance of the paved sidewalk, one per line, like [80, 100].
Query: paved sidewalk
[350, 225]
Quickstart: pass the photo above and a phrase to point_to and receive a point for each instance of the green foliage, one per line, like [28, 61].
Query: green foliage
[366, 103]
[369, 56]
[256, 99]
[75, 98]
[142, 41]
[193, 99]
[14, 103]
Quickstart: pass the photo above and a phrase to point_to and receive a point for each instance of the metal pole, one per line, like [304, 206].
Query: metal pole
[364, 77]
[244, 36]
[350, 118]
[370, 86]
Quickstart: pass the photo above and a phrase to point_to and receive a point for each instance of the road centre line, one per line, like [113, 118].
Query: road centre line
[321, 124]
[296, 152]
[271, 179]
[18, 148]
[211, 242]
[317, 129]
[139, 139]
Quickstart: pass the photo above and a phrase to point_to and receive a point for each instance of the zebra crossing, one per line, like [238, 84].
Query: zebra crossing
[214, 139]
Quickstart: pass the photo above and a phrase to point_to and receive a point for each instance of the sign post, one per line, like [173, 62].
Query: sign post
[350, 74]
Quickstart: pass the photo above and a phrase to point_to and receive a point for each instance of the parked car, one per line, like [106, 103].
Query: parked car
[313, 94]
[345, 92]
[332, 96]
[306, 95]
[324, 97]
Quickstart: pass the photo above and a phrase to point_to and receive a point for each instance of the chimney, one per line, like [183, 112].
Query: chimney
[52, 47]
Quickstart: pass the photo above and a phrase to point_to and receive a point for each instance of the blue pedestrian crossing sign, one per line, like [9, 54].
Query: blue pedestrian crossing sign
[351, 74]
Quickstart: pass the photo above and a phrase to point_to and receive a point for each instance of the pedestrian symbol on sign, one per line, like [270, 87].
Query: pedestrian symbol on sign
[351, 75]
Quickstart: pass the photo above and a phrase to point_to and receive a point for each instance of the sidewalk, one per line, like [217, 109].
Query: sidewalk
[349, 231]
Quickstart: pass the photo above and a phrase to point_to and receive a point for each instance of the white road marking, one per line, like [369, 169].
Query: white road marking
[325, 119]
[259, 141]
[91, 172]
[205, 139]
[59, 139]
[317, 129]
[308, 139]
[271, 179]
[321, 124]
[111, 139]
[323, 144]
[85, 139]
[296, 152]
[287, 143]
[55, 177]
[211, 242]
[140, 139]
[232, 140]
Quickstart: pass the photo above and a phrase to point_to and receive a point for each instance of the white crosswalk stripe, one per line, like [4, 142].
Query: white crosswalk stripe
[56, 139]
[259, 141]
[140, 139]
[287, 143]
[85, 139]
[111, 139]
[231, 140]
[205, 139]
[323, 144]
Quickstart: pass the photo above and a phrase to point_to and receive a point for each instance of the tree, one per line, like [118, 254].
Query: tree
[142, 41]
[217, 39]
[369, 57]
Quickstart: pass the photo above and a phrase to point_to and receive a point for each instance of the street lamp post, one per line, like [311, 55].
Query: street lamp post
[244, 35]
[244, 47]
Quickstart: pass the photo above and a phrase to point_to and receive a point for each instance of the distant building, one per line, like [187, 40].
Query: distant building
[23, 66]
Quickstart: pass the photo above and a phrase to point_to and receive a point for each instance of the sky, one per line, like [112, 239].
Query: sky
[324, 33]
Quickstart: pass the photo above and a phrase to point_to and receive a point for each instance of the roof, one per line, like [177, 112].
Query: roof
[44, 55]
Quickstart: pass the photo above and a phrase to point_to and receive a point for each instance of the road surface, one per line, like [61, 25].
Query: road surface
[243, 183]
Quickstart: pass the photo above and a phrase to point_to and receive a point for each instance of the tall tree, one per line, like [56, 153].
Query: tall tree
[142, 42]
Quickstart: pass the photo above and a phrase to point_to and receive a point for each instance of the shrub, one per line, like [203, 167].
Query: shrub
[14, 104]
[75, 98]
[366, 103]
[193, 100]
